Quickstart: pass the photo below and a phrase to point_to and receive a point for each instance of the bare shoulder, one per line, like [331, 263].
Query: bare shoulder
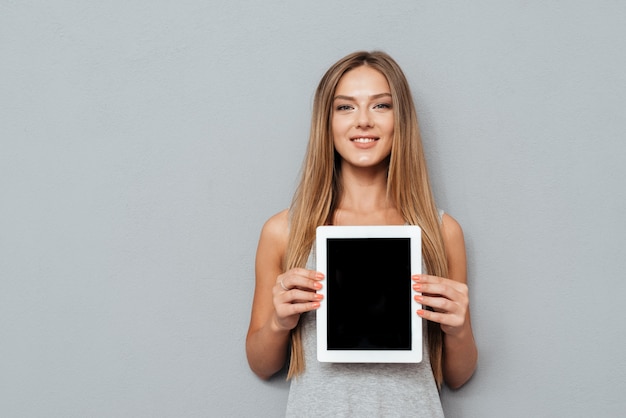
[454, 243]
[274, 237]
[276, 228]
[451, 229]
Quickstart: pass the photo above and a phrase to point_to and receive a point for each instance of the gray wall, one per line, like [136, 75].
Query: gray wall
[143, 144]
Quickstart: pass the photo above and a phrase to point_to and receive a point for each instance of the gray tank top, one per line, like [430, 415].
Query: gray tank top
[360, 390]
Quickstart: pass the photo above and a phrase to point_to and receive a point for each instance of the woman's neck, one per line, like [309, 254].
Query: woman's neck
[364, 199]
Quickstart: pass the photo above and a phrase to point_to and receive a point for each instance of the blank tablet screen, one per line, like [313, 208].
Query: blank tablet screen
[369, 293]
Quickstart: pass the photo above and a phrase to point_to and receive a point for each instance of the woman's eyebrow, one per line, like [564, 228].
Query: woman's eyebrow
[373, 97]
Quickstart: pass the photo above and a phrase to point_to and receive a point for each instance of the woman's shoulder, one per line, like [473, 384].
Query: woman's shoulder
[273, 241]
[276, 228]
[449, 226]
[451, 230]
[454, 243]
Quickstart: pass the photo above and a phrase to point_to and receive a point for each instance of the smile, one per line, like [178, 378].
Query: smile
[364, 140]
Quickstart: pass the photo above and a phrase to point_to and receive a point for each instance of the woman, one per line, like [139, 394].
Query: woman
[364, 166]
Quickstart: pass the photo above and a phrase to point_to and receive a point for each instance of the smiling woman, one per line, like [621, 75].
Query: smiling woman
[364, 166]
[362, 119]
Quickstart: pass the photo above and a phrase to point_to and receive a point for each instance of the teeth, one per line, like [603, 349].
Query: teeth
[364, 140]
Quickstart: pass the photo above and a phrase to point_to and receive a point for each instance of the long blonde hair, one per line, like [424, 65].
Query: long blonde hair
[408, 186]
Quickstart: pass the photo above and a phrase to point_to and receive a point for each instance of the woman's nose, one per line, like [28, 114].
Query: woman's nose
[364, 118]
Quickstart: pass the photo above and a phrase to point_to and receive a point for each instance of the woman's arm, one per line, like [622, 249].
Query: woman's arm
[275, 311]
[450, 300]
[460, 353]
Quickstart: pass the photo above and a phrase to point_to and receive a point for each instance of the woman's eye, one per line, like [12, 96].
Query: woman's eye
[382, 106]
[344, 107]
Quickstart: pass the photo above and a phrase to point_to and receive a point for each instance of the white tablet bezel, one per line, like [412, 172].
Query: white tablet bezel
[414, 355]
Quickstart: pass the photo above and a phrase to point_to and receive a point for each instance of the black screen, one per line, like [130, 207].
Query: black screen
[369, 293]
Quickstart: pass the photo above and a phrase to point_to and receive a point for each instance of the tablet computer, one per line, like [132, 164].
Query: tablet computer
[368, 313]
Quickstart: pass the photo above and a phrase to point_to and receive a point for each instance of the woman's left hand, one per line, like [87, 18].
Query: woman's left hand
[448, 298]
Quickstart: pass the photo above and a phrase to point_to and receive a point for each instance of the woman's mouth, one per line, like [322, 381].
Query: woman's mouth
[363, 140]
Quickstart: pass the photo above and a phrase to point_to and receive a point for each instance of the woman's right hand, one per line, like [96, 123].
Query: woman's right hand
[295, 293]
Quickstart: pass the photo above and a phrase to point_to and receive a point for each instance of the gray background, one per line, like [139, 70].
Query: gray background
[143, 145]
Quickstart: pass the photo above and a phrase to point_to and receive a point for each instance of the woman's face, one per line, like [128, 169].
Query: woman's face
[362, 118]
